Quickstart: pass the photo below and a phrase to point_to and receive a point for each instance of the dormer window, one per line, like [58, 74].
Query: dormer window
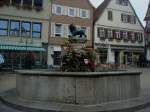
[16, 2]
[38, 4]
[27, 3]
[122, 2]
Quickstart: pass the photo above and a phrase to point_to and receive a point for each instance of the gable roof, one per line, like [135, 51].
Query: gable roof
[91, 4]
[104, 5]
[100, 9]
[147, 17]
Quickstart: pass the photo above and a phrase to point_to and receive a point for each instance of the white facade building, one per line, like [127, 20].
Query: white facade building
[116, 24]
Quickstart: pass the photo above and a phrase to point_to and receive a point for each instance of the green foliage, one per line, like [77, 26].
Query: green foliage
[78, 60]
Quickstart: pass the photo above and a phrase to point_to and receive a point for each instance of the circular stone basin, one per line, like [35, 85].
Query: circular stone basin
[82, 88]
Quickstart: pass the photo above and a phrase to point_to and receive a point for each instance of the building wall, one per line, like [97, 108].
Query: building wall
[117, 10]
[11, 12]
[67, 20]
[57, 43]
[117, 24]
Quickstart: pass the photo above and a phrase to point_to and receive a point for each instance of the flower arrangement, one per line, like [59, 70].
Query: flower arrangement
[78, 60]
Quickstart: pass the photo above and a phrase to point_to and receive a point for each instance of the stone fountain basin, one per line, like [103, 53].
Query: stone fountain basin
[83, 88]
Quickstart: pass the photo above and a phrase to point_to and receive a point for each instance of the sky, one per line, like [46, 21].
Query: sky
[140, 7]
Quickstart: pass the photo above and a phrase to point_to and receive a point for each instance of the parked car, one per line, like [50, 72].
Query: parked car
[1, 60]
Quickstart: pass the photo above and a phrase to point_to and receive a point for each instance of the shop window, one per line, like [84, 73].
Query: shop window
[38, 4]
[36, 30]
[4, 2]
[58, 30]
[16, 2]
[57, 57]
[25, 29]
[3, 27]
[14, 28]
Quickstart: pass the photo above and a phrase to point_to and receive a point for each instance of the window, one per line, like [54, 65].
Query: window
[14, 28]
[71, 12]
[58, 30]
[133, 36]
[125, 35]
[101, 33]
[122, 2]
[118, 35]
[36, 30]
[124, 18]
[38, 3]
[25, 29]
[16, 2]
[140, 37]
[110, 33]
[57, 57]
[58, 9]
[3, 27]
[110, 15]
[84, 13]
[27, 2]
[132, 19]
[128, 18]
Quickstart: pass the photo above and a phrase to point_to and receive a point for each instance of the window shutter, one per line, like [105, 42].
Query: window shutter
[78, 12]
[53, 29]
[65, 10]
[88, 33]
[134, 20]
[114, 34]
[106, 33]
[88, 14]
[98, 32]
[53, 9]
[65, 30]
[128, 18]
[121, 35]
[129, 36]
[121, 17]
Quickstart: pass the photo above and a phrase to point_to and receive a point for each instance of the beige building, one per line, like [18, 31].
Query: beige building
[116, 25]
[64, 13]
[24, 26]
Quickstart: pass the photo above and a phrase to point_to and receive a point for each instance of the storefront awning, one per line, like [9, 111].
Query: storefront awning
[21, 48]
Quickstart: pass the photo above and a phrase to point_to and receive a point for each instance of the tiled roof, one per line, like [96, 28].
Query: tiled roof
[147, 17]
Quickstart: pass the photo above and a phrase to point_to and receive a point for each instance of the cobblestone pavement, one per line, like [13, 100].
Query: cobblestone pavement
[8, 81]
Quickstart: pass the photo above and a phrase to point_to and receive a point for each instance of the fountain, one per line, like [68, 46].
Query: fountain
[77, 86]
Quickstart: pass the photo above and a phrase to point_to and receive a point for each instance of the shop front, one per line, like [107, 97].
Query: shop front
[122, 55]
[14, 55]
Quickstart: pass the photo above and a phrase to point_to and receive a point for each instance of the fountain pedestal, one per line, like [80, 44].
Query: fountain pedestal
[84, 88]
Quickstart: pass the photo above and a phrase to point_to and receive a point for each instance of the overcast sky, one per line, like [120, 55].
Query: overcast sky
[139, 5]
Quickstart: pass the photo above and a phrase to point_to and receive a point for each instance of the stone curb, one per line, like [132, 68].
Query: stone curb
[120, 106]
